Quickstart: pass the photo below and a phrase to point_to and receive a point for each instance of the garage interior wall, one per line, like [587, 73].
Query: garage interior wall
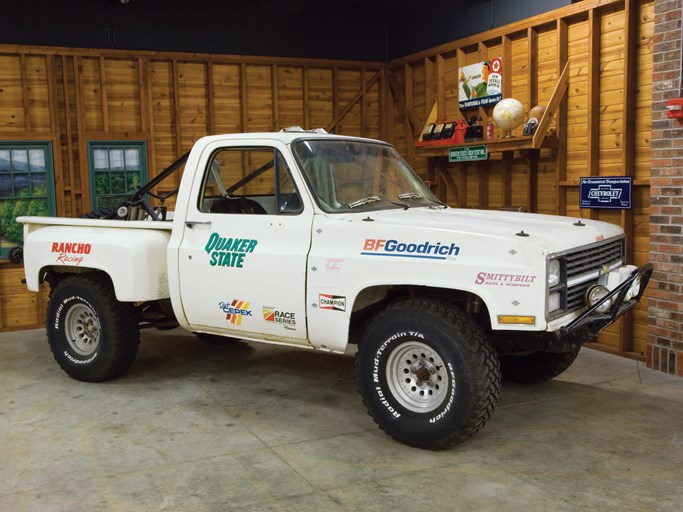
[71, 98]
[602, 128]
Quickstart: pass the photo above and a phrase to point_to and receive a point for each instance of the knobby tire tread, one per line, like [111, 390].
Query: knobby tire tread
[479, 351]
[125, 335]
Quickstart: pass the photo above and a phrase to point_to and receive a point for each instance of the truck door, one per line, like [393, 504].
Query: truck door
[242, 259]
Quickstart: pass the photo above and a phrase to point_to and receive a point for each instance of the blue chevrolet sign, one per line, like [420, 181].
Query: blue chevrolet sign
[613, 192]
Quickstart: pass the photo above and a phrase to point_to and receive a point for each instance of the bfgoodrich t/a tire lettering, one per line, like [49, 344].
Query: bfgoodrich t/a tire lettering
[428, 374]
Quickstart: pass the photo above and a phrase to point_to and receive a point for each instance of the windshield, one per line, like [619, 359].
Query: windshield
[347, 175]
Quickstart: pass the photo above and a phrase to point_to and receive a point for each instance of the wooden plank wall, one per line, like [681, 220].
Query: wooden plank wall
[70, 97]
[602, 127]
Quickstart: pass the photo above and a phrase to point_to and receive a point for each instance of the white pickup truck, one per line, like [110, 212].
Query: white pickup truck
[319, 241]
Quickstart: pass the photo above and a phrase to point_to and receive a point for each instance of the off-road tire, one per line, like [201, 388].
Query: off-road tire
[427, 373]
[93, 336]
[536, 367]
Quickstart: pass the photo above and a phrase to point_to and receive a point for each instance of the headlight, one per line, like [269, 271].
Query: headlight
[634, 289]
[595, 294]
[553, 273]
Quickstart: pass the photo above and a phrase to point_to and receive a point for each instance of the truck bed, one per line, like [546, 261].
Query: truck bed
[132, 253]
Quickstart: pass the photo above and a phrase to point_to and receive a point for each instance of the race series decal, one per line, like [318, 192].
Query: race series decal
[425, 250]
[228, 252]
[284, 318]
[70, 253]
[333, 302]
[235, 311]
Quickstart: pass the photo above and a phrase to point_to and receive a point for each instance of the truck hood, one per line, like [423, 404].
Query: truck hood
[549, 233]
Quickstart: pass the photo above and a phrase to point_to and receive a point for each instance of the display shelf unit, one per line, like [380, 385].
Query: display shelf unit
[529, 147]
[454, 174]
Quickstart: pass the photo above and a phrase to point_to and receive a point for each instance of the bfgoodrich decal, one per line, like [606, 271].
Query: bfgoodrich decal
[228, 252]
[426, 250]
[333, 302]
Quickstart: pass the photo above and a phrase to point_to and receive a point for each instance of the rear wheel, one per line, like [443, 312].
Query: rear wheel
[537, 366]
[427, 373]
[93, 336]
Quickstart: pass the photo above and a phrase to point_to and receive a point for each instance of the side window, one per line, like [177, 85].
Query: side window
[26, 188]
[117, 170]
[254, 180]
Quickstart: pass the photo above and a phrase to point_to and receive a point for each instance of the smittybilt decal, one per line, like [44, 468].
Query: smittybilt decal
[494, 279]
[334, 302]
[284, 318]
[427, 250]
[235, 311]
[228, 252]
[69, 253]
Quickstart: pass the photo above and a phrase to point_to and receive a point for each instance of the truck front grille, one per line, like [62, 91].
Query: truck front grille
[581, 269]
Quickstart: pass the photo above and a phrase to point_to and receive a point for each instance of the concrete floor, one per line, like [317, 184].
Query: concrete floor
[196, 427]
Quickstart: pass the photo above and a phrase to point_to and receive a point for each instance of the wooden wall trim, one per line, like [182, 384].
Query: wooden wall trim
[561, 119]
[69, 134]
[359, 95]
[13, 49]
[25, 93]
[275, 91]
[103, 94]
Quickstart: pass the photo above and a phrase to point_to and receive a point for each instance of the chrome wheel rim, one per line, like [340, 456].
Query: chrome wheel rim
[417, 377]
[82, 329]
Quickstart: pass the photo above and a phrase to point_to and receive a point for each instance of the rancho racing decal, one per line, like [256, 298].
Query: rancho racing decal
[332, 302]
[426, 250]
[235, 311]
[228, 252]
[70, 253]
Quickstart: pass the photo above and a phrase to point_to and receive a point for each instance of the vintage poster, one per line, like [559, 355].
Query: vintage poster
[480, 84]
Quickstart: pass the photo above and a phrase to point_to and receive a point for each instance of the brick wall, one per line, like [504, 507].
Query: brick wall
[665, 336]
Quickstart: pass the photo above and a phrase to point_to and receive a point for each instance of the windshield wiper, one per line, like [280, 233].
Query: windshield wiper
[410, 195]
[439, 203]
[415, 195]
[364, 201]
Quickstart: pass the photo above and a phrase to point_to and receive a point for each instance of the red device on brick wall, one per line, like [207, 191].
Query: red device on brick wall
[674, 108]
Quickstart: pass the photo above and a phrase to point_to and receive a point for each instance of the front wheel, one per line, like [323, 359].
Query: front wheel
[427, 373]
[93, 336]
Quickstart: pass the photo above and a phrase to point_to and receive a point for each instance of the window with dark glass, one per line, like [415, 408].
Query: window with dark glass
[254, 180]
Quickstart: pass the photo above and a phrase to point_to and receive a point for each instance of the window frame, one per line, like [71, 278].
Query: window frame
[114, 144]
[50, 197]
[278, 157]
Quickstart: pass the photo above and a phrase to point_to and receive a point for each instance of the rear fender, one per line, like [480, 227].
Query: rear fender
[134, 259]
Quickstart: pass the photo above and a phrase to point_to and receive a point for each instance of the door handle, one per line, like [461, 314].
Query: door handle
[192, 223]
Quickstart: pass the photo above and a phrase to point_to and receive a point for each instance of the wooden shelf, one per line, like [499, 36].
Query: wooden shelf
[441, 148]
[542, 137]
